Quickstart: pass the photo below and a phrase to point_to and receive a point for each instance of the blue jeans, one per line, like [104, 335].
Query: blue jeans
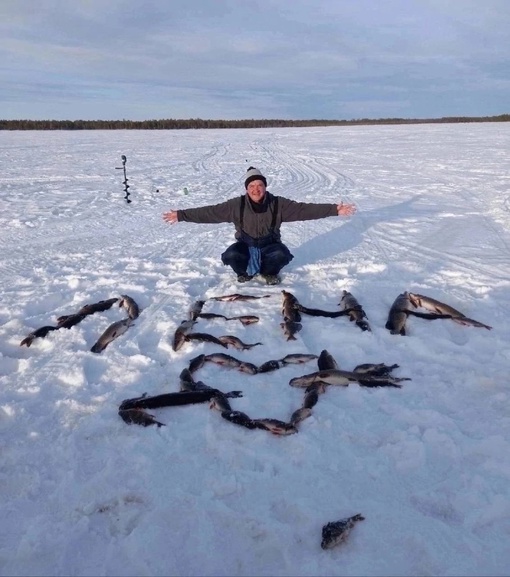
[274, 257]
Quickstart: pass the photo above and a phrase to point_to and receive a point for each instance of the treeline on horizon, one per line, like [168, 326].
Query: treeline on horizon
[198, 123]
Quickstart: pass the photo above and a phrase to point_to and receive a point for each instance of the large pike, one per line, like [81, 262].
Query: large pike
[355, 311]
[401, 309]
[176, 399]
[434, 305]
[111, 333]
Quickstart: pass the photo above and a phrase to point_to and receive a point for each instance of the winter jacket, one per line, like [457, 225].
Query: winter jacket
[257, 218]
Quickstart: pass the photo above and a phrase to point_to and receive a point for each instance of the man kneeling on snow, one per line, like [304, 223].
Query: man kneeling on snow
[257, 217]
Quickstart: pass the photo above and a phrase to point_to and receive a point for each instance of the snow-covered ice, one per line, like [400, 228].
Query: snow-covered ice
[427, 465]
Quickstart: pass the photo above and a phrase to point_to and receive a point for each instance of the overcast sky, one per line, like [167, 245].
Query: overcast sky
[230, 59]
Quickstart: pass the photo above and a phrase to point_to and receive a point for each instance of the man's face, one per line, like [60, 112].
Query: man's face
[256, 191]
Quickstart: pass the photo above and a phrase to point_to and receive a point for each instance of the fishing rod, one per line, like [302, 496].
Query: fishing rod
[125, 183]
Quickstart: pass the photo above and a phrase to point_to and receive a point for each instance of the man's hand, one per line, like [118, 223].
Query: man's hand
[345, 209]
[170, 216]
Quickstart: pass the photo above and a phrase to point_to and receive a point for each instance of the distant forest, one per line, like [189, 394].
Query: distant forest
[195, 123]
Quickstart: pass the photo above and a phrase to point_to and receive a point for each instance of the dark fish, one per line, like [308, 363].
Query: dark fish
[196, 363]
[290, 328]
[238, 297]
[376, 370]
[220, 403]
[356, 313]
[176, 399]
[223, 360]
[187, 383]
[139, 417]
[195, 310]
[320, 313]
[230, 340]
[66, 322]
[312, 395]
[239, 418]
[210, 316]
[130, 306]
[333, 377]
[336, 532]
[434, 305]
[400, 310]
[245, 319]
[297, 358]
[275, 426]
[38, 333]
[111, 333]
[180, 334]
[289, 307]
[300, 415]
[248, 368]
[101, 306]
[326, 361]
[269, 366]
[204, 338]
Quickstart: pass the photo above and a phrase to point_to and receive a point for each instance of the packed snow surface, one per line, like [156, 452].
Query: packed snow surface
[427, 465]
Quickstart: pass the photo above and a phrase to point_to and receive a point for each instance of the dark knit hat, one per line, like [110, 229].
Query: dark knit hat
[254, 174]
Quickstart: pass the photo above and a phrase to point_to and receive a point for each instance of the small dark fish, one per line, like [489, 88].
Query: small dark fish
[204, 338]
[434, 305]
[290, 328]
[230, 340]
[220, 403]
[186, 380]
[297, 358]
[248, 368]
[275, 426]
[130, 306]
[289, 307]
[356, 313]
[269, 366]
[326, 361]
[210, 316]
[196, 363]
[311, 397]
[101, 306]
[223, 360]
[38, 333]
[139, 417]
[245, 319]
[376, 370]
[195, 310]
[111, 333]
[66, 322]
[333, 377]
[238, 297]
[180, 334]
[337, 532]
[239, 418]
[300, 415]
